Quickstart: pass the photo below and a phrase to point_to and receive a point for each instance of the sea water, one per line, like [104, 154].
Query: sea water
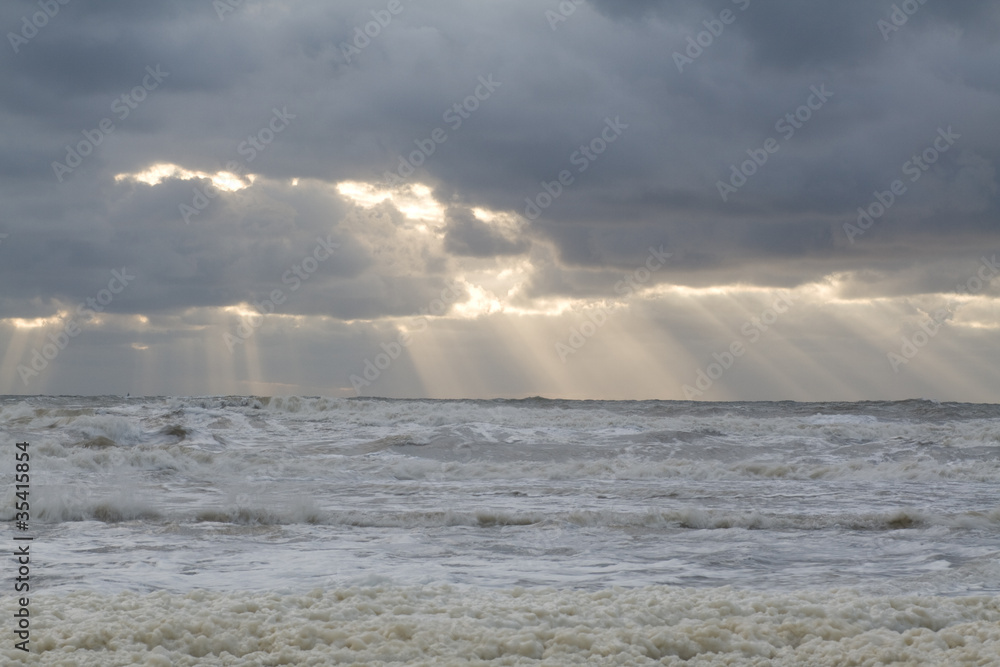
[243, 530]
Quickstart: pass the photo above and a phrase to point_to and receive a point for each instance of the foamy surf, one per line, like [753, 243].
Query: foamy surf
[391, 625]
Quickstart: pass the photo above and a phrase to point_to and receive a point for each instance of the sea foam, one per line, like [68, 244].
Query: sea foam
[386, 625]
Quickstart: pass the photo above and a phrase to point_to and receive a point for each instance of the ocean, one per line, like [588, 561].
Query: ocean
[314, 531]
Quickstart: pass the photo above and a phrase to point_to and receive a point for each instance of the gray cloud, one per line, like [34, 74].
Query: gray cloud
[357, 114]
[468, 236]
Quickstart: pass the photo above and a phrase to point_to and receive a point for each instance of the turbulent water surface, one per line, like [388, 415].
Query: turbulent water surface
[237, 505]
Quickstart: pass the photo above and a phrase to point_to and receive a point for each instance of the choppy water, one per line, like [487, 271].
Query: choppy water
[239, 493]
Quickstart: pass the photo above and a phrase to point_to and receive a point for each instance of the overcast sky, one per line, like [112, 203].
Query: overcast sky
[501, 198]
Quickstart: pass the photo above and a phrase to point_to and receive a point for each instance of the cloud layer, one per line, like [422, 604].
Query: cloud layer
[534, 153]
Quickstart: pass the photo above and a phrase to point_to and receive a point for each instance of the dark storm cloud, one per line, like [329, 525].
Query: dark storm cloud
[356, 114]
[468, 236]
[788, 34]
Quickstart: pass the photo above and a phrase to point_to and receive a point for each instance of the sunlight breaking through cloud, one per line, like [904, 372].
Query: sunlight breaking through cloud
[157, 173]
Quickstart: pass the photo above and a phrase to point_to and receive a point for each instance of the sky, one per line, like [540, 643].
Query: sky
[588, 199]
